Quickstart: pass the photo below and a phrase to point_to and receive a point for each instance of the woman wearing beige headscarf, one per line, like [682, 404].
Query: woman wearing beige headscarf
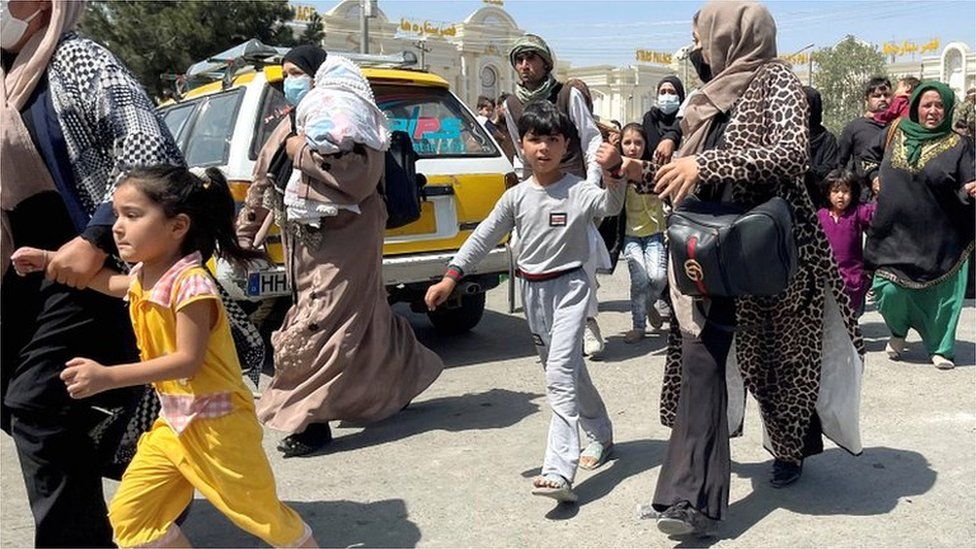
[74, 121]
[799, 352]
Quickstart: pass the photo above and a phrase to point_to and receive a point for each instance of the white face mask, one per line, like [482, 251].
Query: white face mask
[668, 103]
[11, 28]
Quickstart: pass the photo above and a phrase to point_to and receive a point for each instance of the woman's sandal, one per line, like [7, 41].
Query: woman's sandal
[562, 493]
[315, 437]
[598, 451]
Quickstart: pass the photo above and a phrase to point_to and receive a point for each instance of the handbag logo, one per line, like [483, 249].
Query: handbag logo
[693, 269]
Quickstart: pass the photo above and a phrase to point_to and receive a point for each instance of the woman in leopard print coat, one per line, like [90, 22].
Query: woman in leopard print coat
[798, 353]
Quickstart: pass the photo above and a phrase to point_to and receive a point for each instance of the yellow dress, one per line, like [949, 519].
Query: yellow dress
[207, 437]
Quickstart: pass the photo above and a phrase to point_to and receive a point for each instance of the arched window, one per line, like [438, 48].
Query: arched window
[489, 81]
[954, 74]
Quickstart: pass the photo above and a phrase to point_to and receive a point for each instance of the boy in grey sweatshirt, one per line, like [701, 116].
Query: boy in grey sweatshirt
[551, 211]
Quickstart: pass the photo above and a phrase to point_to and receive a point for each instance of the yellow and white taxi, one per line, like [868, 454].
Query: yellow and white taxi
[225, 123]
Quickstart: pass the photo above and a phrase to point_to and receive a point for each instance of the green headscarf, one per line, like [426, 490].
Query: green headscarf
[916, 135]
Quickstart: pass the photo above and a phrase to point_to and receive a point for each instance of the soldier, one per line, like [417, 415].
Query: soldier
[965, 115]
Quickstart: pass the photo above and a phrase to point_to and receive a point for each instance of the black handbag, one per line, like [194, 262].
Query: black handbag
[719, 249]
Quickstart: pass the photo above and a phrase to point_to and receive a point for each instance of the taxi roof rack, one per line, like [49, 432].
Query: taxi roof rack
[224, 66]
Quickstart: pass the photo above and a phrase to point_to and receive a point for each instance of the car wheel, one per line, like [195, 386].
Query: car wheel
[459, 319]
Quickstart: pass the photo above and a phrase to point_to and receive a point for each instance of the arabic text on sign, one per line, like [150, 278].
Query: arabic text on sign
[427, 28]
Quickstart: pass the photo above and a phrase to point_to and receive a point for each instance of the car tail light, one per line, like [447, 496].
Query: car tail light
[238, 189]
[511, 180]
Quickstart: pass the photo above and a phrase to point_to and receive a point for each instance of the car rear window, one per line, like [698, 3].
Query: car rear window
[176, 118]
[435, 120]
[208, 141]
[273, 111]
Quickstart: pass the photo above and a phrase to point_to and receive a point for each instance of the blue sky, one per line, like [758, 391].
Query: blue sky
[588, 32]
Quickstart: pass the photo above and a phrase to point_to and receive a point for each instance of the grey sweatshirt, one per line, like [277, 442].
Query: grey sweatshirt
[551, 223]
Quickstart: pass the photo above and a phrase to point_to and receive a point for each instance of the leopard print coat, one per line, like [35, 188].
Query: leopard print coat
[779, 343]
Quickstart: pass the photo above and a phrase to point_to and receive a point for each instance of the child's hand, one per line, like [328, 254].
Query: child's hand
[85, 377]
[29, 260]
[607, 156]
[438, 293]
[664, 152]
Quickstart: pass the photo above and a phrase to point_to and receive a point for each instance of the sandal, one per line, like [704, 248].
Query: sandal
[597, 451]
[315, 437]
[562, 493]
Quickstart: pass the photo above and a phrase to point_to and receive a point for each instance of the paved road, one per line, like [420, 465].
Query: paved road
[454, 468]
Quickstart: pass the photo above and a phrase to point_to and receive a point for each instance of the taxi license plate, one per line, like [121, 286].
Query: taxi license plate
[267, 283]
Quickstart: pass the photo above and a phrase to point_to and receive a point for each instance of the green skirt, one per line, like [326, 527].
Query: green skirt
[933, 312]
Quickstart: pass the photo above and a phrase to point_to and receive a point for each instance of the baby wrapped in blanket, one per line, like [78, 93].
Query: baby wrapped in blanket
[338, 113]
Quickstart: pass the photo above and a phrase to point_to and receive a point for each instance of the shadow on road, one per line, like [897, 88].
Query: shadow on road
[876, 336]
[628, 459]
[833, 483]
[616, 306]
[494, 409]
[497, 337]
[335, 523]
[654, 344]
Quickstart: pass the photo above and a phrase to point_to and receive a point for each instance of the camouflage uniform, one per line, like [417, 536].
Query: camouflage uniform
[965, 117]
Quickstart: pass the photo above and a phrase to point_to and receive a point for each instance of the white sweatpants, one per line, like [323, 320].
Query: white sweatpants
[556, 313]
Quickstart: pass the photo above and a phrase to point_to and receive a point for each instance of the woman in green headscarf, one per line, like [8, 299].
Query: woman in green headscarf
[922, 233]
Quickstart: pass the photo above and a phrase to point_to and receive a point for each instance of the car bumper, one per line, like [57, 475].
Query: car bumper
[411, 268]
[397, 270]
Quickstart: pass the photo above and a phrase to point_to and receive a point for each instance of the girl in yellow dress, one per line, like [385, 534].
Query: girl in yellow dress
[207, 437]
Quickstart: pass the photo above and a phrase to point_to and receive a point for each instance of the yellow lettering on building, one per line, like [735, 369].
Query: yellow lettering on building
[304, 14]
[907, 47]
[647, 56]
[426, 29]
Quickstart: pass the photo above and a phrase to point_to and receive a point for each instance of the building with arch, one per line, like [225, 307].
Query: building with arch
[473, 55]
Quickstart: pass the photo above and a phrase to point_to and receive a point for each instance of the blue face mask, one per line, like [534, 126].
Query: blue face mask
[296, 87]
[668, 103]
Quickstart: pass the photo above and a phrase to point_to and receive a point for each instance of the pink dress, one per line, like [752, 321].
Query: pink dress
[845, 237]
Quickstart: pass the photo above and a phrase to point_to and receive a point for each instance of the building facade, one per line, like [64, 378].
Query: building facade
[472, 55]
[955, 65]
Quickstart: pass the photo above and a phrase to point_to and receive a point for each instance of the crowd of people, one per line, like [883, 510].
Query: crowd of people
[99, 205]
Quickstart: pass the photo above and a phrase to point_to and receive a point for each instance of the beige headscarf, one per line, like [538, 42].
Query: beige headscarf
[738, 37]
[22, 170]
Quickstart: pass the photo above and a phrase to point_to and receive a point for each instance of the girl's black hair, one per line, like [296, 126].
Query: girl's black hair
[632, 127]
[543, 118]
[841, 176]
[206, 200]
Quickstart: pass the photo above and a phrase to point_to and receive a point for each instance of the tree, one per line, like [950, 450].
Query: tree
[841, 74]
[314, 33]
[157, 37]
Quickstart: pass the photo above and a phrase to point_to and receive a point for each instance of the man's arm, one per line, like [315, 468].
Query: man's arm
[589, 134]
[845, 146]
[521, 169]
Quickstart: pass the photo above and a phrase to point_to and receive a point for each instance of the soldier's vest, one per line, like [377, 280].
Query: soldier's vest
[573, 161]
